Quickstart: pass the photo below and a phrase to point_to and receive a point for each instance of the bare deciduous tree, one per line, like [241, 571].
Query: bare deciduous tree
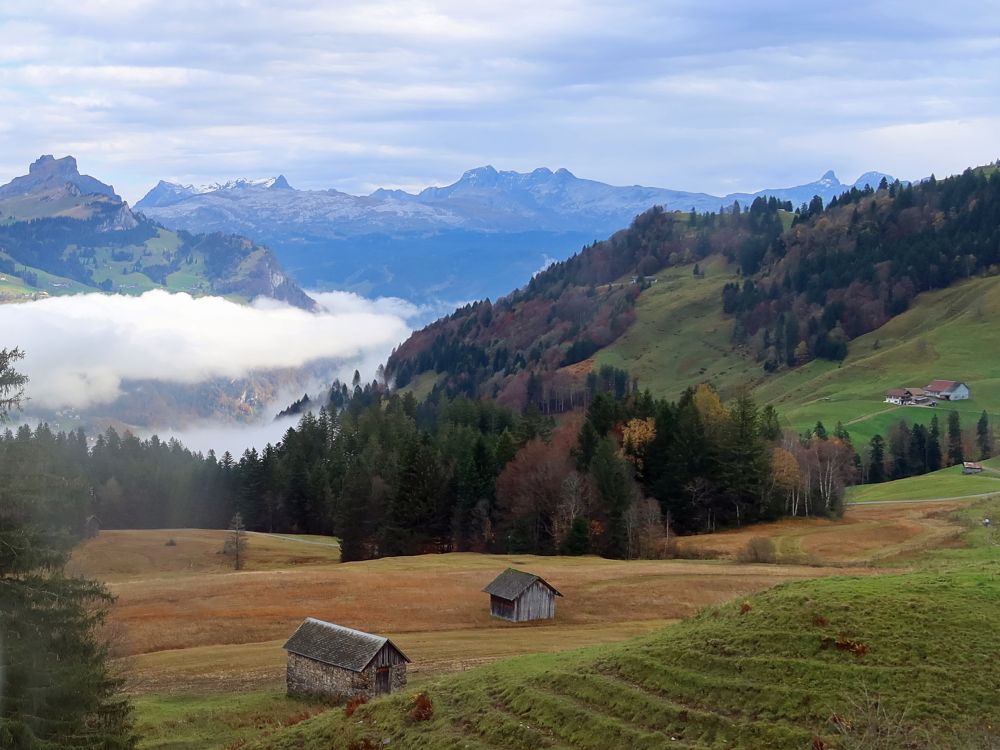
[236, 542]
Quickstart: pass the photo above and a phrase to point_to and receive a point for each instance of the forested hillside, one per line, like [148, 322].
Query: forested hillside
[520, 349]
[807, 284]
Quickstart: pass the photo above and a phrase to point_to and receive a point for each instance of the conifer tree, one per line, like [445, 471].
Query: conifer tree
[956, 454]
[983, 437]
[934, 445]
[876, 460]
[56, 688]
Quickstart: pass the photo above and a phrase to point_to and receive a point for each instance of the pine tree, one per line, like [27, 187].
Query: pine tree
[578, 539]
[820, 431]
[956, 455]
[876, 460]
[11, 382]
[613, 483]
[56, 688]
[934, 445]
[983, 437]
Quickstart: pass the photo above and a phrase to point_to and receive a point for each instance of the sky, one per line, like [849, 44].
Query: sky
[698, 94]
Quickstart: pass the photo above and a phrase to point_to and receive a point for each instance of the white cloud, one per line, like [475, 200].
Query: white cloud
[79, 349]
[706, 96]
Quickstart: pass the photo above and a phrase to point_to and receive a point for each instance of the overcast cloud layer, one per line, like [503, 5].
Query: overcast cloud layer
[705, 95]
[78, 349]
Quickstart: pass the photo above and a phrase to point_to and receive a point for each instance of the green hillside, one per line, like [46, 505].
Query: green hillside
[772, 671]
[950, 334]
[680, 337]
[942, 484]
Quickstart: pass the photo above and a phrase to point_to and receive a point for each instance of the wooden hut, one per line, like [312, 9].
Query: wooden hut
[334, 661]
[520, 596]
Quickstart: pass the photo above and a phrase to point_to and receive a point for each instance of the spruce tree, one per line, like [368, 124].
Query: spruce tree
[956, 454]
[56, 688]
[983, 437]
[876, 460]
[934, 445]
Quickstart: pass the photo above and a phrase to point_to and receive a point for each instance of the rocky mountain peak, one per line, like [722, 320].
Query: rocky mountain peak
[48, 173]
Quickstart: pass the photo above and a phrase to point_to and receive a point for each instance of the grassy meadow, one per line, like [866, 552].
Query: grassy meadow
[825, 663]
[200, 644]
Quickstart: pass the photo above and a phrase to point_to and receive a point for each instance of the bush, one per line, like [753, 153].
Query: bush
[422, 708]
[171, 542]
[760, 549]
[354, 703]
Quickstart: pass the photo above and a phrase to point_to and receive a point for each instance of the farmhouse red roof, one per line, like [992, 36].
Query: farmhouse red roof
[896, 392]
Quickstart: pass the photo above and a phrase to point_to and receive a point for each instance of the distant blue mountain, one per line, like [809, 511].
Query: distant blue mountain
[480, 236]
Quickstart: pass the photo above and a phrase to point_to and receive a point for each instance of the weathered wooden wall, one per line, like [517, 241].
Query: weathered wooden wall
[536, 603]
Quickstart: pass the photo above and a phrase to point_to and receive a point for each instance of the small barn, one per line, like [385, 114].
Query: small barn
[519, 596]
[331, 660]
[971, 467]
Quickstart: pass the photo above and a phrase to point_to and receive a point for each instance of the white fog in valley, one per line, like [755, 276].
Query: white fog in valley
[80, 349]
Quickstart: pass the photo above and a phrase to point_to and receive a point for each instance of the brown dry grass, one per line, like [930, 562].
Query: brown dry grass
[416, 594]
[122, 555]
[865, 534]
[192, 624]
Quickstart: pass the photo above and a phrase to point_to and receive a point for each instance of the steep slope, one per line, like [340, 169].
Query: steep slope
[68, 233]
[490, 229]
[816, 664]
[734, 298]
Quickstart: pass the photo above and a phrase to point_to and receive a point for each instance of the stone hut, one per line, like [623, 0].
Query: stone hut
[338, 662]
[519, 596]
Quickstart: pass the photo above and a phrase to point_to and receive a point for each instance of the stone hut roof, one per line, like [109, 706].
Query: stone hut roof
[512, 583]
[337, 645]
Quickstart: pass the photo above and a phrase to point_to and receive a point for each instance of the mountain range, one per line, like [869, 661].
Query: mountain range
[66, 232]
[480, 236]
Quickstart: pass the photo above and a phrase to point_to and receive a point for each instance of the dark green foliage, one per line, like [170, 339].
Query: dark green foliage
[984, 438]
[578, 540]
[11, 382]
[934, 445]
[876, 460]
[56, 690]
[956, 453]
[614, 493]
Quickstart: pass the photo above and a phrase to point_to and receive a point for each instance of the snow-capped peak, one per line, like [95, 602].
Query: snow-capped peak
[241, 183]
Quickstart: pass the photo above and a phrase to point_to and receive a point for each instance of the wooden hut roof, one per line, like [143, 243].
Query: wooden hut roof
[337, 645]
[512, 583]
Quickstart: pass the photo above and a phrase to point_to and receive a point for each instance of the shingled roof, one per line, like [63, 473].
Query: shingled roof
[336, 645]
[512, 583]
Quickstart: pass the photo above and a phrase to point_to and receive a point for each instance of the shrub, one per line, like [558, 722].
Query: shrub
[760, 549]
[354, 703]
[422, 708]
[171, 542]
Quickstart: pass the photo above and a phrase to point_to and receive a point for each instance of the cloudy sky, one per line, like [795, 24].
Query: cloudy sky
[692, 94]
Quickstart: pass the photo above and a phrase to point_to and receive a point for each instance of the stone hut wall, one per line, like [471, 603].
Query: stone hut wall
[307, 677]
